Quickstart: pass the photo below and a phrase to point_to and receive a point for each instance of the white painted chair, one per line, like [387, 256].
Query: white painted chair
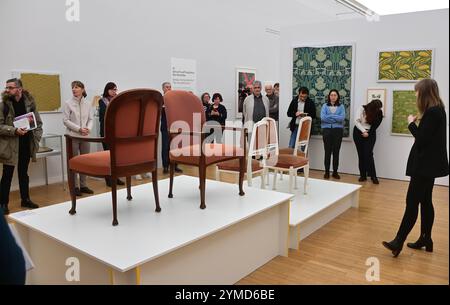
[256, 152]
[284, 162]
[302, 142]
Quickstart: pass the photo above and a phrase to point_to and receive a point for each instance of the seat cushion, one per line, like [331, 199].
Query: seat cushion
[286, 161]
[213, 153]
[97, 163]
[290, 151]
[233, 165]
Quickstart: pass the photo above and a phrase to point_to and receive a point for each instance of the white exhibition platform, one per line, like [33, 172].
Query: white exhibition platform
[325, 200]
[182, 244]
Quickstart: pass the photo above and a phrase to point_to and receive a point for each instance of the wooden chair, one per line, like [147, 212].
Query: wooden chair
[283, 162]
[302, 142]
[256, 151]
[131, 132]
[186, 124]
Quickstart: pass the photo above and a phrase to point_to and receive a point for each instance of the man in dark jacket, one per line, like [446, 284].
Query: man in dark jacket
[300, 106]
[17, 145]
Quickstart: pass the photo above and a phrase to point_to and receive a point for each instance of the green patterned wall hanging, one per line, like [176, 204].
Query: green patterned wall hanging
[404, 104]
[321, 69]
[404, 66]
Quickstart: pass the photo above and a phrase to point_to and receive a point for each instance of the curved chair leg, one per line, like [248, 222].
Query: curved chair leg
[306, 175]
[172, 171]
[275, 173]
[155, 190]
[73, 197]
[263, 179]
[241, 175]
[129, 197]
[295, 180]
[114, 200]
[217, 173]
[291, 177]
[249, 178]
[202, 177]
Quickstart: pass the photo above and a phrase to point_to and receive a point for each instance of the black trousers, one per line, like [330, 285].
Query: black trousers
[364, 147]
[420, 191]
[332, 140]
[164, 141]
[22, 170]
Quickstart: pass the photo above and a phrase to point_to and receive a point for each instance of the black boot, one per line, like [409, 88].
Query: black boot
[336, 175]
[423, 241]
[395, 246]
[108, 181]
[27, 203]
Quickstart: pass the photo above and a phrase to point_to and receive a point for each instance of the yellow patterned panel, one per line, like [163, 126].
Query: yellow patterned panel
[45, 89]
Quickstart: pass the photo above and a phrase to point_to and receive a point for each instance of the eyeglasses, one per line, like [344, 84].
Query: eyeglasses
[256, 87]
[10, 88]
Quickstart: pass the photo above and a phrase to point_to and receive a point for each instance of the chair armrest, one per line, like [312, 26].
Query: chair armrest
[190, 133]
[84, 139]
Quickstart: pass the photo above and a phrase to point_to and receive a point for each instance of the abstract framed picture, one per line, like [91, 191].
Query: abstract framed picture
[407, 65]
[321, 68]
[244, 82]
[377, 94]
[45, 87]
[403, 104]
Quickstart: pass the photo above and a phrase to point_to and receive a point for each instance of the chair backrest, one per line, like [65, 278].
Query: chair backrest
[259, 140]
[132, 126]
[184, 106]
[272, 142]
[303, 135]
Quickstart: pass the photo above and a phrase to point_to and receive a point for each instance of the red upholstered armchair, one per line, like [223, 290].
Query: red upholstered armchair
[131, 132]
[186, 124]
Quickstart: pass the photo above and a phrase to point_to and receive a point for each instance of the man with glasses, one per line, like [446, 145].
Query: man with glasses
[17, 145]
[256, 106]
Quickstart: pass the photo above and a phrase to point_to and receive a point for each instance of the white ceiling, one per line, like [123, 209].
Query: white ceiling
[281, 13]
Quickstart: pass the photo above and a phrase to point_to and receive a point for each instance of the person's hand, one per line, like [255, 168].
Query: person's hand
[84, 131]
[298, 113]
[412, 118]
[365, 134]
[21, 132]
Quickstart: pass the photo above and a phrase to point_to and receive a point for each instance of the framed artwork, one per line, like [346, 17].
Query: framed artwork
[45, 87]
[405, 65]
[321, 69]
[403, 104]
[377, 94]
[244, 81]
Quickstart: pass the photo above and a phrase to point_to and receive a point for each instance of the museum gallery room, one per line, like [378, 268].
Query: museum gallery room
[215, 142]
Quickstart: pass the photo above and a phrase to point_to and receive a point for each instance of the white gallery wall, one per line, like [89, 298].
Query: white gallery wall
[405, 31]
[132, 43]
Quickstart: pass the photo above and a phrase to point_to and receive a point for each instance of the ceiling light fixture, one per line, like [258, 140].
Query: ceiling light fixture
[357, 7]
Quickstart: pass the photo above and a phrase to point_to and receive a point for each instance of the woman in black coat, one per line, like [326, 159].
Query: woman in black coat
[427, 161]
[368, 119]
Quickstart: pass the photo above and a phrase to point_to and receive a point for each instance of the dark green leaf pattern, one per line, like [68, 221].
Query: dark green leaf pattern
[320, 70]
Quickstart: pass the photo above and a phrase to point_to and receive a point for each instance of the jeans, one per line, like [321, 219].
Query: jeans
[293, 137]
